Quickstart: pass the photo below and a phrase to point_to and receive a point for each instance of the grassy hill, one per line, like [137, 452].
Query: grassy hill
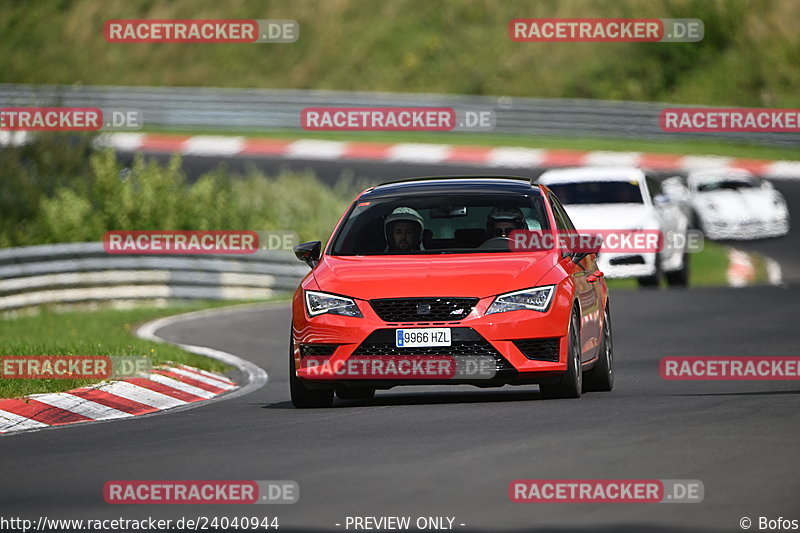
[749, 56]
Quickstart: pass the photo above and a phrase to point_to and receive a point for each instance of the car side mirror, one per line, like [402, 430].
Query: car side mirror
[578, 257]
[308, 252]
[588, 243]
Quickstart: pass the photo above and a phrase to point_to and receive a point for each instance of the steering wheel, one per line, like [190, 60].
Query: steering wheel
[496, 243]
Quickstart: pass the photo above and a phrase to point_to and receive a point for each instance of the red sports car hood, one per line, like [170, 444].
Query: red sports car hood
[480, 275]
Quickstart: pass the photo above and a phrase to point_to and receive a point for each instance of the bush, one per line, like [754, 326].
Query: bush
[36, 170]
[96, 193]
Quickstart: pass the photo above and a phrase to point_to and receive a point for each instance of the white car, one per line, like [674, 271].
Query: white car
[733, 204]
[625, 198]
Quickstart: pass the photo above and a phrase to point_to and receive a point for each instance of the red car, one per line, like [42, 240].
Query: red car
[420, 284]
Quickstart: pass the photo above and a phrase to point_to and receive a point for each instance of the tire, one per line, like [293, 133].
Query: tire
[571, 383]
[601, 377]
[354, 393]
[301, 396]
[652, 281]
[679, 278]
[694, 222]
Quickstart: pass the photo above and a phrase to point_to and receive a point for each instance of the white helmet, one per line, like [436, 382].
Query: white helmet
[404, 214]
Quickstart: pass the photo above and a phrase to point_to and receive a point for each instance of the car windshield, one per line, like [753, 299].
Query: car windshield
[726, 185]
[437, 224]
[598, 192]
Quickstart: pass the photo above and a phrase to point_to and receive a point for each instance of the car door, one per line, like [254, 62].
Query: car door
[589, 292]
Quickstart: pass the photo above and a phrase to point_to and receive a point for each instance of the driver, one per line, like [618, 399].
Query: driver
[403, 229]
[503, 220]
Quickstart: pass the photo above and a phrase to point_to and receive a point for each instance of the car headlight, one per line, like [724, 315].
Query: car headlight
[535, 299]
[319, 303]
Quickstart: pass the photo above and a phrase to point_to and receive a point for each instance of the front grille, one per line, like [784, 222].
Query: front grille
[545, 349]
[317, 349]
[465, 342]
[423, 309]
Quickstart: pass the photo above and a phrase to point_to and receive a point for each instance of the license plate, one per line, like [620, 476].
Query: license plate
[412, 338]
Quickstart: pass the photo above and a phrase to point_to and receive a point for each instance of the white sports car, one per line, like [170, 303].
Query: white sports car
[732, 204]
[623, 199]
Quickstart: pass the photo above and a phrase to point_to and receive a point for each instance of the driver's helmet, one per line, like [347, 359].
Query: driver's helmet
[405, 214]
[505, 214]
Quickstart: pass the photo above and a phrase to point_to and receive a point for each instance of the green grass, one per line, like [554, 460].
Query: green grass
[748, 56]
[103, 332]
[695, 147]
[760, 264]
[708, 268]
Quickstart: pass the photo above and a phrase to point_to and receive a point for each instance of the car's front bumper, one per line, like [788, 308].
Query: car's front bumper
[627, 265]
[503, 338]
[718, 229]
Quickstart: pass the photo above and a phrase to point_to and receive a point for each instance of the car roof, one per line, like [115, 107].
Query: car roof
[584, 174]
[453, 184]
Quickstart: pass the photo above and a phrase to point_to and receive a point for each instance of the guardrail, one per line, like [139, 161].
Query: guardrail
[84, 272]
[262, 109]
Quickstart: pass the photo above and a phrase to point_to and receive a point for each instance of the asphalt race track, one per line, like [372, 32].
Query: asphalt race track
[428, 451]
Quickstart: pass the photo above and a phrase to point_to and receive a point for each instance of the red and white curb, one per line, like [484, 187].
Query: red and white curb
[742, 271]
[170, 389]
[503, 156]
[480, 156]
[165, 387]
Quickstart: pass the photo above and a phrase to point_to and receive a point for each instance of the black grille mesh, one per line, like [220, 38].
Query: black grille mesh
[544, 349]
[423, 309]
[466, 342]
[317, 349]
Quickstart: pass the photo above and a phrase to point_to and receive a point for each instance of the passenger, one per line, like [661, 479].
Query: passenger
[503, 220]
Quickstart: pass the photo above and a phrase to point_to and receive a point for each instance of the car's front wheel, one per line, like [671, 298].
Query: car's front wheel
[571, 383]
[679, 278]
[652, 281]
[601, 377]
[302, 396]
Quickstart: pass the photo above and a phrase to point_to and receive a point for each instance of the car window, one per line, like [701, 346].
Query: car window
[598, 192]
[563, 221]
[726, 185]
[654, 186]
[446, 223]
